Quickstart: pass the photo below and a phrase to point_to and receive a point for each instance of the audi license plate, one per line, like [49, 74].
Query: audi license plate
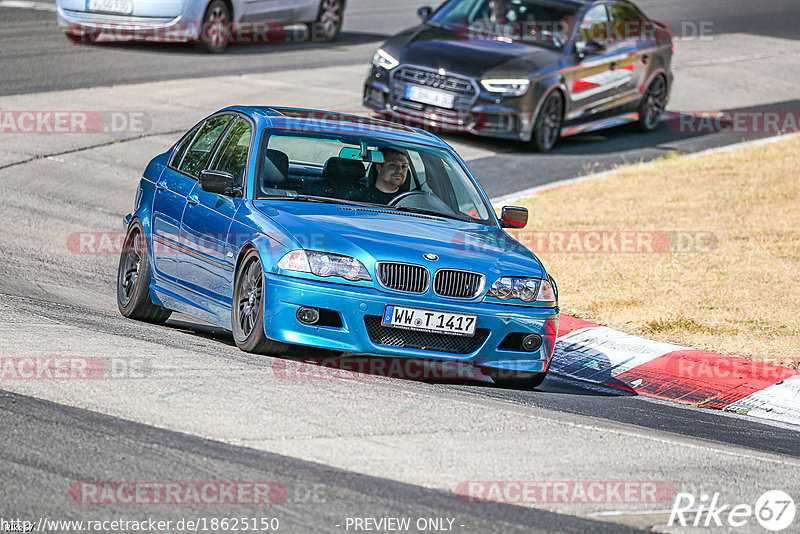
[429, 320]
[433, 97]
[123, 7]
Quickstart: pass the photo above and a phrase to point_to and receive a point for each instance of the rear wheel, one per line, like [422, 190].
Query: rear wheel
[216, 24]
[547, 126]
[329, 21]
[653, 104]
[247, 310]
[133, 280]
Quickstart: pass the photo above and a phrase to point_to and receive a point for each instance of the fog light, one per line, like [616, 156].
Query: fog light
[308, 315]
[531, 342]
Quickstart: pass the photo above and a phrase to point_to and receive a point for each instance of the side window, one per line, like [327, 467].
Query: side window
[594, 26]
[232, 155]
[627, 24]
[199, 151]
[178, 156]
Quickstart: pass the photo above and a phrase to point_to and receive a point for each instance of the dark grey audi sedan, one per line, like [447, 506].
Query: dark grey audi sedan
[532, 70]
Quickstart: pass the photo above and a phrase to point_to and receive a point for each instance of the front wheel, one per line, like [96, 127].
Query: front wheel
[247, 309]
[133, 280]
[547, 125]
[216, 26]
[653, 104]
[329, 21]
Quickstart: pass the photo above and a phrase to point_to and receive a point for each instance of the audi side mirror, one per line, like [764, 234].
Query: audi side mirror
[217, 182]
[425, 12]
[514, 217]
[589, 48]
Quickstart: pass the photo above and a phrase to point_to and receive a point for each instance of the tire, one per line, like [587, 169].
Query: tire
[653, 103]
[247, 309]
[216, 22]
[329, 21]
[518, 379]
[547, 126]
[133, 280]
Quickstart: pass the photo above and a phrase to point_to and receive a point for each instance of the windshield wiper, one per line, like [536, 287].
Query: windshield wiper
[423, 211]
[323, 200]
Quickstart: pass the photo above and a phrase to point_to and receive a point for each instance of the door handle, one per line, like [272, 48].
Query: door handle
[162, 185]
[613, 66]
[645, 59]
[193, 200]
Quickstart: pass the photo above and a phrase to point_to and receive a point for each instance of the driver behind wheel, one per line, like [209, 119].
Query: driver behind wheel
[390, 176]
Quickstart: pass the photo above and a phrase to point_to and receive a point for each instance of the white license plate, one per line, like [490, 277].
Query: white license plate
[430, 96]
[124, 7]
[429, 320]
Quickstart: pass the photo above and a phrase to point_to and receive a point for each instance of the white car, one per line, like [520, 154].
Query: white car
[212, 23]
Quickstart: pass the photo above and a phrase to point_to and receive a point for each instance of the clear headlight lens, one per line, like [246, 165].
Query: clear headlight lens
[384, 59]
[324, 264]
[524, 289]
[506, 87]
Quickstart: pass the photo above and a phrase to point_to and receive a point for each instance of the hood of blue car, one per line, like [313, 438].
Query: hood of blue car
[374, 235]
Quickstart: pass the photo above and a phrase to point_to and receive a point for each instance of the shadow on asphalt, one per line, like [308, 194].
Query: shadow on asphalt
[729, 126]
[238, 49]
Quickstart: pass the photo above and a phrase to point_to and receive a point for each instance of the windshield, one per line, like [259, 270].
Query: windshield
[368, 171]
[521, 21]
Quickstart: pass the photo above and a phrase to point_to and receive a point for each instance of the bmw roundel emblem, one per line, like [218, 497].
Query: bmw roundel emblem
[430, 257]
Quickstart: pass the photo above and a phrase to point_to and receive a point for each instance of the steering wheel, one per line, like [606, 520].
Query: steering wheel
[396, 200]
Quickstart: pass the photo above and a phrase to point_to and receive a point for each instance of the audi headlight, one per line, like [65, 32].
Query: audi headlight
[506, 86]
[384, 59]
[524, 289]
[324, 264]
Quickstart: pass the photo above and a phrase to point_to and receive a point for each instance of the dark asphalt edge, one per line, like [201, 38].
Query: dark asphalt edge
[358, 483]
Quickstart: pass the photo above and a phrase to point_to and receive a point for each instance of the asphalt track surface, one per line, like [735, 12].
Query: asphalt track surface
[315, 436]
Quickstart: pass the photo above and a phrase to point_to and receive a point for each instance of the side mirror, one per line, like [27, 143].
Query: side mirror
[425, 12]
[216, 182]
[590, 48]
[514, 217]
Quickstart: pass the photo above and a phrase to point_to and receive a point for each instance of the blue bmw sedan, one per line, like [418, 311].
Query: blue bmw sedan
[293, 227]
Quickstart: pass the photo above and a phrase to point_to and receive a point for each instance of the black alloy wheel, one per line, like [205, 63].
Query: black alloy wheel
[547, 126]
[653, 104]
[133, 280]
[247, 310]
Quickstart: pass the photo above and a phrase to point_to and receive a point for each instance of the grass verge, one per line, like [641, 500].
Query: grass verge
[702, 252]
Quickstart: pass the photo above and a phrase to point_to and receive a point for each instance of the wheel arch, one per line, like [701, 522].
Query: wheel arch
[544, 88]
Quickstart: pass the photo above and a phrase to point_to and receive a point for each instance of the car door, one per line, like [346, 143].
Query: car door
[592, 83]
[631, 43]
[209, 265]
[268, 10]
[174, 187]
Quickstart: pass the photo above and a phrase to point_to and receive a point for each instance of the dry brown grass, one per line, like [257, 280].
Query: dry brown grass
[741, 298]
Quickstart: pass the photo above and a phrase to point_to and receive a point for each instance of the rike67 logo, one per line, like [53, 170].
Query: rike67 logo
[774, 510]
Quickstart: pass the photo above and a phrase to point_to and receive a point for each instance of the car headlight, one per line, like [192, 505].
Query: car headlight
[524, 289]
[506, 87]
[324, 264]
[384, 59]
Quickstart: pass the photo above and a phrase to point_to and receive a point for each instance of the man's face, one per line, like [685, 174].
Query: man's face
[392, 173]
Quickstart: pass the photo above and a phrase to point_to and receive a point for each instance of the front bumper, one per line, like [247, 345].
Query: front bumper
[360, 309]
[483, 114]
